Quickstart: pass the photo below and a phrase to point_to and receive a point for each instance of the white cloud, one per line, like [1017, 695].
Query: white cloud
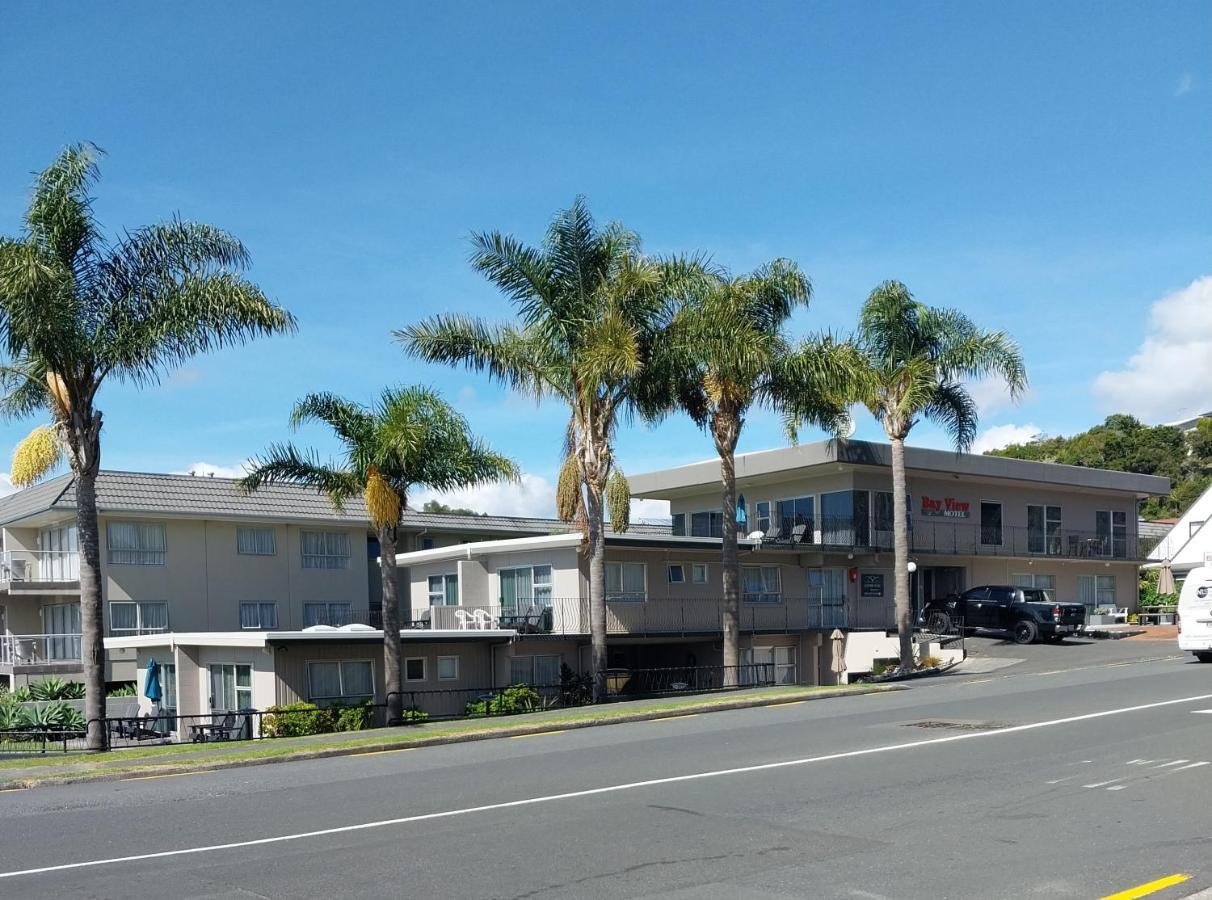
[533, 495]
[991, 395]
[239, 470]
[1168, 376]
[1185, 84]
[1003, 435]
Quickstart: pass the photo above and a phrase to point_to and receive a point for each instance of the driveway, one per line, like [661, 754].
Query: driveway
[988, 653]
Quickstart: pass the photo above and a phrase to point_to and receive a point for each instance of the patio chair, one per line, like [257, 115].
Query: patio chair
[481, 619]
[798, 533]
[465, 619]
[775, 533]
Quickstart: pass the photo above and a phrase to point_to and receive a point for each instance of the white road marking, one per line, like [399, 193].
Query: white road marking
[1201, 712]
[1173, 762]
[1117, 787]
[1099, 784]
[1141, 762]
[1194, 765]
[608, 789]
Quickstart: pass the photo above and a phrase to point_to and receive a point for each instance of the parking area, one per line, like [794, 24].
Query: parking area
[989, 651]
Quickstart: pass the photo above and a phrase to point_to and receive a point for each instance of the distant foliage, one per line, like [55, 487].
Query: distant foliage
[1123, 444]
[433, 506]
[517, 698]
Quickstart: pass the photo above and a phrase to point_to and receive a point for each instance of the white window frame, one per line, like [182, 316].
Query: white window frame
[1100, 601]
[136, 556]
[764, 595]
[140, 628]
[455, 676]
[1031, 580]
[541, 592]
[332, 558]
[675, 573]
[621, 595]
[1111, 539]
[256, 546]
[441, 594]
[237, 690]
[424, 660]
[340, 664]
[699, 568]
[676, 527]
[1059, 522]
[328, 606]
[261, 625]
[779, 670]
[759, 517]
[710, 514]
[530, 658]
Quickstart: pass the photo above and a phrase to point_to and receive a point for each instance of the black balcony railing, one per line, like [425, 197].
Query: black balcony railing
[930, 535]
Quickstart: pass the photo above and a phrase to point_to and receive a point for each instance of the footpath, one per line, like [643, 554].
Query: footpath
[19, 773]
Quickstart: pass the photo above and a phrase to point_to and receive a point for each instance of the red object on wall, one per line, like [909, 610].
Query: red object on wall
[853, 574]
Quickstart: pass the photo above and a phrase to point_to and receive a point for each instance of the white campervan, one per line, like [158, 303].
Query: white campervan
[1195, 614]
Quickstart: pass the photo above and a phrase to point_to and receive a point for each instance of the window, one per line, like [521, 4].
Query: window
[844, 518]
[427, 543]
[325, 549]
[334, 614]
[1043, 529]
[626, 581]
[1096, 590]
[1195, 526]
[135, 543]
[827, 587]
[707, 524]
[414, 668]
[761, 584]
[58, 559]
[762, 664]
[882, 518]
[126, 617]
[677, 574]
[168, 683]
[258, 615]
[1034, 580]
[448, 668]
[1112, 528]
[698, 573]
[795, 512]
[522, 588]
[541, 671]
[62, 620]
[761, 516]
[340, 679]
[443, 590]
[230, 687]
[256, 542]
[991, 524]
[679, 523]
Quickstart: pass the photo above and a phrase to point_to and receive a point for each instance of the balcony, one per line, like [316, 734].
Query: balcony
[39, 653]
[931, 537]
[39, 571]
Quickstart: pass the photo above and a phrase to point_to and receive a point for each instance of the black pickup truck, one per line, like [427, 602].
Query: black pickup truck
[1028, 614]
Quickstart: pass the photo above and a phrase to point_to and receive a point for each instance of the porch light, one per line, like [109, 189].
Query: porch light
[912, 567]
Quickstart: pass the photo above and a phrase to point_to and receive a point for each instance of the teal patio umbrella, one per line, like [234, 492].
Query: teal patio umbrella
[151, 683]
[741, 517]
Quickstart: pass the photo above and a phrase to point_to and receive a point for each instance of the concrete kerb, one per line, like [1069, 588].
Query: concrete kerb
[149, 768]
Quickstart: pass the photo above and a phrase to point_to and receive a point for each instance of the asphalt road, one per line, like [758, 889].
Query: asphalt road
[1076, 772]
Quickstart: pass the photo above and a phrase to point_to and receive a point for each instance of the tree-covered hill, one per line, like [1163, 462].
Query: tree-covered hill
[1125, 444]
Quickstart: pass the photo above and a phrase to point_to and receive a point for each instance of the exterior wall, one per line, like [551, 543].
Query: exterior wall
[568, 651]
[291, 665]
[204, 579]
[1001, 571]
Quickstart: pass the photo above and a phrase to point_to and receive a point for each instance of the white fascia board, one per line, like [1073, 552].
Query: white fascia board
[189, 639]
[1178, 539]
[484, 548]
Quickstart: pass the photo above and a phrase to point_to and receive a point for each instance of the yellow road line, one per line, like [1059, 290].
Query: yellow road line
[1144, 890]
[788, 703]
[380, 752]
[12, 790]
[165, 775]
[671, 718]
[514, 737]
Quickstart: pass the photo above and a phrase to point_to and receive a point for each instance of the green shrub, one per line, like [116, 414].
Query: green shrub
[517, 698]
[56, 716]
[930, 662]
[126, 689]
[575, 689]
[20, 695]
[10, 713]
[297, 720]
[54, 688]
[413, 714]
[351, 718]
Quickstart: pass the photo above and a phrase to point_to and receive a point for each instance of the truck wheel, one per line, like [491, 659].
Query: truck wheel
[1205, 656]
[1025, 632]
[939, 623]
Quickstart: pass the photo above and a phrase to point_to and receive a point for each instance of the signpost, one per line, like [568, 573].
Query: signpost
[872, 584]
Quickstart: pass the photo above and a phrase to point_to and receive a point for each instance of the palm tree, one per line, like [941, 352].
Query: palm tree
[917, 359]
[734, 354]
[592, 308]
[409, 438]
[76, 310]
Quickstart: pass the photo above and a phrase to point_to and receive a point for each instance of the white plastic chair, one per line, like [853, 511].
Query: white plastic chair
[482, 619]
[465, 619]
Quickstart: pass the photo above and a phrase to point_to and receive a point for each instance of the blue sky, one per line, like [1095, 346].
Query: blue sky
[1044, 167]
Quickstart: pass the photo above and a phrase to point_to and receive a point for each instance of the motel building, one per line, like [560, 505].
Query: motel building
[488, 610]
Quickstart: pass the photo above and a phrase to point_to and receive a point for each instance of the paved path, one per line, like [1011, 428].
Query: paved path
[1047, 783]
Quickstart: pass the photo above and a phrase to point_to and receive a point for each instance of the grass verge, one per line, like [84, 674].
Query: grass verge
[172, 759]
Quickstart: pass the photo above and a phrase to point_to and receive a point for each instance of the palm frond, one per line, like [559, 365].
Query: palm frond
[286, 464]
[953, 408]
[351, 422]
[60, 216]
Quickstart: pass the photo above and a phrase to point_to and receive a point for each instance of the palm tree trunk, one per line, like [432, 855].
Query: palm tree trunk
[725, 429]
[596, 525]
[84, 446]
[393, 683]
[900, 555]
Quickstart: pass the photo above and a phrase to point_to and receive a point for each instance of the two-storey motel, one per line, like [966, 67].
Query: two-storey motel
[270, 598]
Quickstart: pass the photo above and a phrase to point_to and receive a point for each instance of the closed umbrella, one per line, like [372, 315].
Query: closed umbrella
[741, 517]
[151, 683]
[1165, 580]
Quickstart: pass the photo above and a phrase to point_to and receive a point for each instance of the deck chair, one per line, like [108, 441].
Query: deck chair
[465, 619]
[798, 533]
[481, 619]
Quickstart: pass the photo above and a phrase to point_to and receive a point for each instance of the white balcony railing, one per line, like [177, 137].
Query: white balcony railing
[38, 649]
[39, 566]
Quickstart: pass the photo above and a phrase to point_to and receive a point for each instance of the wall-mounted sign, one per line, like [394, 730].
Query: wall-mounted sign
[872, 585]
[948, 507]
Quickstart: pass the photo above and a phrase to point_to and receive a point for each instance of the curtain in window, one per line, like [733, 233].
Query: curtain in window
[323, 680]
[546, 670]
[255, 541]
[222, 687]
[250, 615]
[614, 579]
[358, 678]
[521, 670]
[123, 617]
[325, 549]
[542, 585]
[154, 616]
[269, 615]
[314, 614]
[633, 579]
[1087, 592]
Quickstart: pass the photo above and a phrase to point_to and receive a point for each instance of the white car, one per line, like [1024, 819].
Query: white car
[1195, 614]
